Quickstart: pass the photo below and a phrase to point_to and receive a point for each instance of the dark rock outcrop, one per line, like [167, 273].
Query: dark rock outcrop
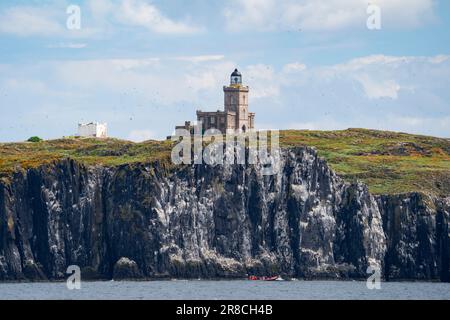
[222, 221]
[33, 271]
[417, 234]
[126, 269]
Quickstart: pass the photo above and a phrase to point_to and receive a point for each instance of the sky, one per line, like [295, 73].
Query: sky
[145, 66]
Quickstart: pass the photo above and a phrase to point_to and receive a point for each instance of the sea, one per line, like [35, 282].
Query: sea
[226, 290]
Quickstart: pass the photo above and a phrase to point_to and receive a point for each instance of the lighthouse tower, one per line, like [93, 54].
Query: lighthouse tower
[235, 117]
[236, 102]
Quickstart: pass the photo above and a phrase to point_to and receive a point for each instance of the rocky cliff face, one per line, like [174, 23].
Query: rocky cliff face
[418, 236]
[222, 221]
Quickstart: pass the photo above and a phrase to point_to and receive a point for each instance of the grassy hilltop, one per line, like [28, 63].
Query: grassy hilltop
[387, 162]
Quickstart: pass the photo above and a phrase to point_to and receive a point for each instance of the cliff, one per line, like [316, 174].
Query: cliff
[145, 220]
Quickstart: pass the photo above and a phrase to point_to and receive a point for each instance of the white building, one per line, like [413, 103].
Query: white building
[93, 130]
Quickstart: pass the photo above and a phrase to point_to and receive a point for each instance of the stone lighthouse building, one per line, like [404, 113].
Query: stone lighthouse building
[235, 116]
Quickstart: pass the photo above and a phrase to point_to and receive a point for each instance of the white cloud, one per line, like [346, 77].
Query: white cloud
[241, 14]
[104, 17]
[208, 76]
[29, 21]
[294, 67]
[407, 121]
[129, 64]
[323, 15]
[321, 124]
[439, 59]
[67, 45]
[200, 59]
[158, 93]
[140, 13]
[202, 81]
[375, 60]
[31, 86]
[376, 89]
[160, 80]
[438, 126]
[382, 76]
[353, 94]
[141, 135]
[101, 8]
[262, 79]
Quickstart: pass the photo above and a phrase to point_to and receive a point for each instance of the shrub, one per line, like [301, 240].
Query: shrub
[34, 139]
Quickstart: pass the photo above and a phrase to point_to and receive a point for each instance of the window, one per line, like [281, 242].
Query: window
[212, 120]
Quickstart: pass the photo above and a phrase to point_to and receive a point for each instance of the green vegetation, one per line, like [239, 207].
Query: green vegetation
[110, 152]
[34, 139]
[388, 162]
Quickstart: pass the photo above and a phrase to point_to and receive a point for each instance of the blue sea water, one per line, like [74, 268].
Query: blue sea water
[232, 290]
